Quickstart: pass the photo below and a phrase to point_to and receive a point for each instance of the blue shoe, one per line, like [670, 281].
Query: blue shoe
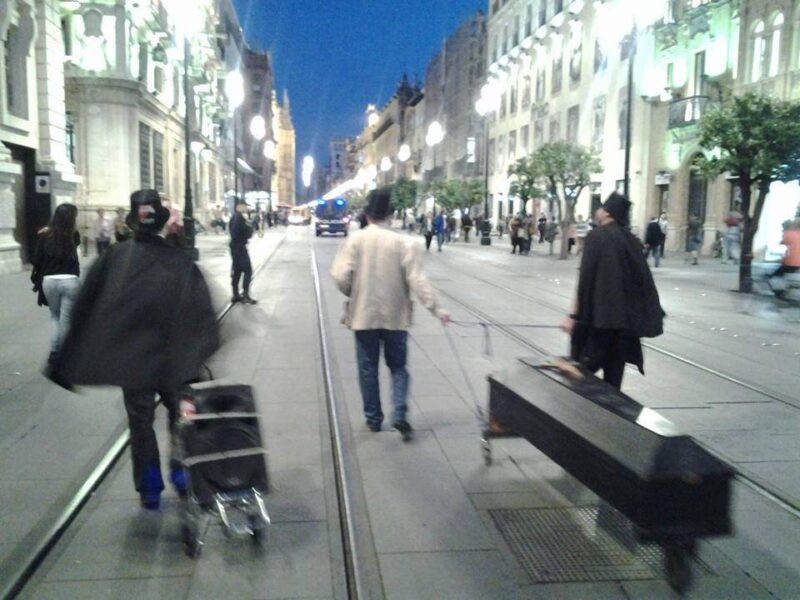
[179, 481]
[150, 501]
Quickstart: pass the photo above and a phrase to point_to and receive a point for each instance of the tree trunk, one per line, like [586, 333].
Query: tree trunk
[748, 236]
[569, 213]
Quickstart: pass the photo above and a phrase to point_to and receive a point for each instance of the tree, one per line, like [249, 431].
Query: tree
[560, 172]
[356, 200]
[757, 140]
[473, 192]
[447, 193]
[404, 195]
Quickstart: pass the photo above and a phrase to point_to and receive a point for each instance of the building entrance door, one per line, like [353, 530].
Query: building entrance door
[698, 192]
[32, 209]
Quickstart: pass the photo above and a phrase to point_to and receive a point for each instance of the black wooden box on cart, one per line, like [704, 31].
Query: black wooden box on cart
[672, 489]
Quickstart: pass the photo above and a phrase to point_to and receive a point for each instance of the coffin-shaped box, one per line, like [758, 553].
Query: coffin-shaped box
[629, 455]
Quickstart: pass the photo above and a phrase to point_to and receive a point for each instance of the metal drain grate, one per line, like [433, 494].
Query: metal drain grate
[559, 545]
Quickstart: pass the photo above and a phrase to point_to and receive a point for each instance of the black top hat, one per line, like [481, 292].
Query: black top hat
[147, 212]
[379, 203]
[619, 207]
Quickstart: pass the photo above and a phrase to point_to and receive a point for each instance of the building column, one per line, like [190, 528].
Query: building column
[52, 156]
[10, 261]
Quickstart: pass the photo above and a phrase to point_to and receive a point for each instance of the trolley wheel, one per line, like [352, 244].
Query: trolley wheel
[192, 546]
[486, 450]
[678, 565]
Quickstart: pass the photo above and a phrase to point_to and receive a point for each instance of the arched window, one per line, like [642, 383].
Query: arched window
[759, 47]
[775, 45]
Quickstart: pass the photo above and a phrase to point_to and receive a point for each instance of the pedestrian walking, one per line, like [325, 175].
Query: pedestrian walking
[581, 231]
[56, 271]
[440, 229]
[514, 231]
[653, 240]
[732, 239]
[617, 302]
[103, 231]
[122, 232]
[541, 226]
[241, 232]
[663, 222]
[142, 321]
[428, 230]
[694, 238]
[378, 269]
[452, 229]
[572, 235]
[466, 226]
[551, 232]
[501, 227]
[791, 260]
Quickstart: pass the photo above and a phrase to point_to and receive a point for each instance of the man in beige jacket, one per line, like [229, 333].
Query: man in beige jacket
[378, 269]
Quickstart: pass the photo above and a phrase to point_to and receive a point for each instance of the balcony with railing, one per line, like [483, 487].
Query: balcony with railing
[685, 112]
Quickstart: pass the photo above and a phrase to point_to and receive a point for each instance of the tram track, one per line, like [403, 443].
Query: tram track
[752, 481]
[40, 551]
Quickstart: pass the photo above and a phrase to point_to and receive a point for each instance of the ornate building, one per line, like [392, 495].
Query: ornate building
[563, 72]
[37, 168]
[287, 160]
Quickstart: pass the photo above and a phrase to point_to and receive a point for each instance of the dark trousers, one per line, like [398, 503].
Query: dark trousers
[780, 272]
[141, 408]
[605, 349]
[428, 240]
[368, 354]
[241, 266]
[102, 246]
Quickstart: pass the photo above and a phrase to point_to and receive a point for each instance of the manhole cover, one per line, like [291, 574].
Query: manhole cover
[558, 545]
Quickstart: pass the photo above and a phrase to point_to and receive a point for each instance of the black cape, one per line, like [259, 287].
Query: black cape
[143, 320]
[616, 292]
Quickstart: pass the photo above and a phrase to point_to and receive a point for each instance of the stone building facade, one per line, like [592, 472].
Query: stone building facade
[37, 169]
[287, 152]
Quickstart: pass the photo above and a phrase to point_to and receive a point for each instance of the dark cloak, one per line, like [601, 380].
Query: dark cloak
[143, 320]
[616, 293]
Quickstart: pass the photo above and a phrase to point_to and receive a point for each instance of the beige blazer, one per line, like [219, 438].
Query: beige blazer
[378, 269]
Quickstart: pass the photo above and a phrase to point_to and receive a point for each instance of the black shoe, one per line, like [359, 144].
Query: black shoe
[403, 427]
[374, 427]
[248, 300]
[236, 298]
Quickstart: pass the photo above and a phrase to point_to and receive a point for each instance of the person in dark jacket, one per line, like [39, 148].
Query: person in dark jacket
[241, 232]
[56, 271]
[653, 240]
[143, 321]
[617, 301]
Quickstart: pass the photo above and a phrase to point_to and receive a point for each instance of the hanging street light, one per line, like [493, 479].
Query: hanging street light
[488, 103]
[234, 91]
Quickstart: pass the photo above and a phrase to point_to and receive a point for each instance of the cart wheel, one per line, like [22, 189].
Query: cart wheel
[486, 450]
[192, 546]
[259, 530]
[678, 566]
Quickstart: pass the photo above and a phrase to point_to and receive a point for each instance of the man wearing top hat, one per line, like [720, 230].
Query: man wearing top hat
[143, 321]
[617, 301]
[377, 269]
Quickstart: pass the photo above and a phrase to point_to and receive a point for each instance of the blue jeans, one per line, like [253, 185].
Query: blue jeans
[440, 236]
[61, 295]
[368, 352]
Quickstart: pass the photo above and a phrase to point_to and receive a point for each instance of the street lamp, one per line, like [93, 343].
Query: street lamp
[625, 19]
[308, 170]
[488, 103]
[404, 153]
[270, 152]
[186, 30]
[234, 90]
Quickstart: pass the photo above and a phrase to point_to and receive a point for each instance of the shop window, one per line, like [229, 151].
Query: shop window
[158, 162]
[573, 121]
[775, 45]
[16, 48]
[145, 170]
[759, 46]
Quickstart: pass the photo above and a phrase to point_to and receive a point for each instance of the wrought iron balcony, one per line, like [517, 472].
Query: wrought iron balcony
[686, 112]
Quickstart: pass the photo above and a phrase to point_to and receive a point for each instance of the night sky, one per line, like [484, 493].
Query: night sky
[337, 56]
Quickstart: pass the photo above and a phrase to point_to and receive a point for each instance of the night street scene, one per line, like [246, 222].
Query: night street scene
[400, 299]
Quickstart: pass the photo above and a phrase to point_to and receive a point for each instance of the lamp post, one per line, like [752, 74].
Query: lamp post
[270, 152]
[258, 130]
[626, 19]
[432, 139]
[485, 106]
[234, 90]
